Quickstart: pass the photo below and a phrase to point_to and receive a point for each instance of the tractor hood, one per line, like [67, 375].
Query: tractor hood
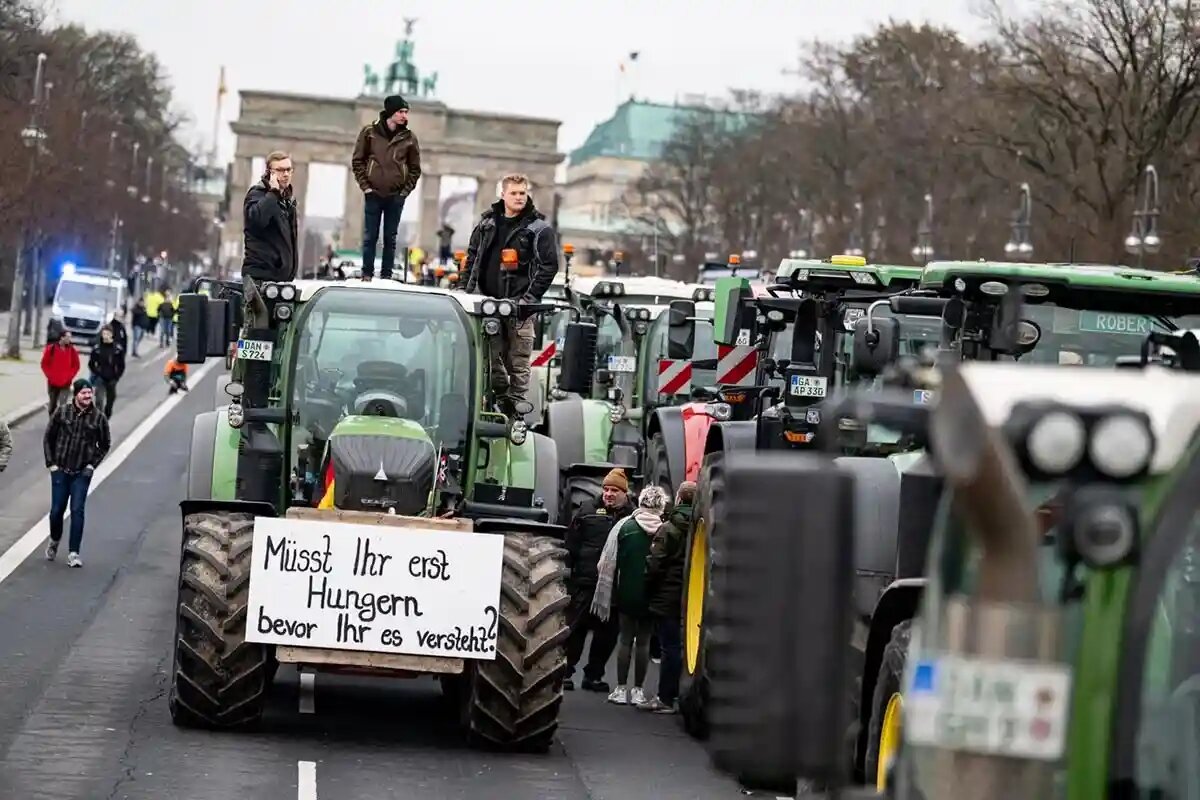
[381, 464]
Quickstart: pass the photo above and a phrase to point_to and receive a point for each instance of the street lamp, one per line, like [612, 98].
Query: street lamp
[1143, 236]
[132, 187]
[1020, 242]
[149, 169]
[923, 250]
[855, 247]
[805, 250]
[165, 205]
[108, 166]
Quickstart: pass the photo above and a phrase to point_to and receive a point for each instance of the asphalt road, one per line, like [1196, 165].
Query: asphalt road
[85, 657]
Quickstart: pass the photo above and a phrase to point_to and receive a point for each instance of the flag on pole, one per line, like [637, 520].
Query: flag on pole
[221, 89]
[634, 55]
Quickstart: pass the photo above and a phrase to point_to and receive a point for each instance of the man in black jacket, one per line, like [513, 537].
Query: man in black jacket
[107, 364]
[664, 588]
[269, 220]
[512, 223]
[586, 536]
[75, 442]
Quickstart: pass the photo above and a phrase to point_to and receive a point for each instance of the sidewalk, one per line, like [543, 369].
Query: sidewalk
[22, 386]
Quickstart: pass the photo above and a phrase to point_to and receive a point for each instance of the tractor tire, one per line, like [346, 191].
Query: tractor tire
[218, 679]
[512, 702]
[574, 492]
[702, 587]
[658, 469]
[891, 674]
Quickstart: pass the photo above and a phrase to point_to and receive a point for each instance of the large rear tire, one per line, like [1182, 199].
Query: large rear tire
[658, 470]
[512, 702]
[219, 680]
[883, 733]
[702, 593]
[577, 490]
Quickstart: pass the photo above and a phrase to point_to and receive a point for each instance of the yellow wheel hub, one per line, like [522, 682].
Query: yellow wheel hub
[697, 578]
[889, 739]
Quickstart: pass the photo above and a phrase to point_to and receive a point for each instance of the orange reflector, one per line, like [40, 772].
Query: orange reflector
[797, 438]
[733, 397]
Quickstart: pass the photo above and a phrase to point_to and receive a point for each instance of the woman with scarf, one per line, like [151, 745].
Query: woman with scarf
[623, 567]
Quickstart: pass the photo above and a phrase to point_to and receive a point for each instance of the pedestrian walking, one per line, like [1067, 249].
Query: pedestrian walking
[176, 373]
[586, 535]
[141, 323]
[166, 320]
[622, 576]
[512, 223]
[60, 365]
[270, 223]
[107, 364]
[154, 300]
[117, 325]
[75, 442]
[5, 445]
[386, 164]
[664, 590]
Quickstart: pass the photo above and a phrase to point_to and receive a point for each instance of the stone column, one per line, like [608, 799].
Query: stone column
[352, 215]
[485, 194]
[231, 233]
[431, 213]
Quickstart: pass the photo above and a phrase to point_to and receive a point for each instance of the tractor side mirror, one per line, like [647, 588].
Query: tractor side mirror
[1010, 334]
[876, 345]
[192, 337]
[578, 358]
[220, 328]
[794, 640]
[918, 306]
[681, 329]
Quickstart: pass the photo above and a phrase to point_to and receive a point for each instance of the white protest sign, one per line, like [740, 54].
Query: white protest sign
[373, 588]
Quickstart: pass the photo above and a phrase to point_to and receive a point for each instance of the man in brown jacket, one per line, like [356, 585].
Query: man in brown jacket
[386, 164]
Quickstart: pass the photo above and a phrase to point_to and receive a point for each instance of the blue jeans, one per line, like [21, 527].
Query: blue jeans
[138, 333]
[387, 210]
[165, 329]
[670, 640]
[73, 488]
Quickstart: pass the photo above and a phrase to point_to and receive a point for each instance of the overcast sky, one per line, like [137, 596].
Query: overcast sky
[550, 58]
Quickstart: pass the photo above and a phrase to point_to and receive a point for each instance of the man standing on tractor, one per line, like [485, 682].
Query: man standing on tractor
[512, 225]
[586, 536]
[386, 164]
[664, 589]
[270, 224]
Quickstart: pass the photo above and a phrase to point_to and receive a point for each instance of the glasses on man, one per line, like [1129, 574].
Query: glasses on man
[283, 170]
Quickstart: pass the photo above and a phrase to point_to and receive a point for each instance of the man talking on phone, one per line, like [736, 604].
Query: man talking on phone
[386, 164]
[270, 223]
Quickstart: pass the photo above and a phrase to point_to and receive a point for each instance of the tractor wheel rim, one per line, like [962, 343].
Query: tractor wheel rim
[696, 587]
[889, 739]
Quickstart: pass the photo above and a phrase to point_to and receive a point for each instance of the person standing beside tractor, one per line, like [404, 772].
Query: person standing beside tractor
[270, 221]
[60, 365]
[166, 319]
[623, 569]
[386, 164]
[586, 536]
[513, 254]
[76, 441]
[664, 590]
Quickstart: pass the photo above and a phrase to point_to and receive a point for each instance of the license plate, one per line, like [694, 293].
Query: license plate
[1005, 708]
[923, 396]
[806, 386]
[255, 349]
[622, 364]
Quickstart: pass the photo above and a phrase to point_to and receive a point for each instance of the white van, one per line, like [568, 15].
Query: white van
[84, 301]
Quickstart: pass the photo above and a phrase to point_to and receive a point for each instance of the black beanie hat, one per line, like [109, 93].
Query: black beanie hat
[393, 103]
[79, 385]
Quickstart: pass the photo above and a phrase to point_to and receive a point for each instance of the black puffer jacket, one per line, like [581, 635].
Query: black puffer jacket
[585, 541]
[270, 235]
[664, 565]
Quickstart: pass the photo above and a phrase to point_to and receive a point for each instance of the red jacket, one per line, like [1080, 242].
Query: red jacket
[60, 365]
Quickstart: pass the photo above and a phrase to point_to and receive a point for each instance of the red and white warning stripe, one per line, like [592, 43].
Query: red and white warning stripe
[736, 364]
[674, 376]
[543, 358]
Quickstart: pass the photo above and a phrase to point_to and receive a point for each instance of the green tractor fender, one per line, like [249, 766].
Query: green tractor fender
[212, 469]
[581, 429]
[666, 449]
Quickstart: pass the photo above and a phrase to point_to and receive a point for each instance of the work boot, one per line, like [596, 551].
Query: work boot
[568, 685]
[590, 685]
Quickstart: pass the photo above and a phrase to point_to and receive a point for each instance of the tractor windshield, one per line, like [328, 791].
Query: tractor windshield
[386, 353]
[1088, 338]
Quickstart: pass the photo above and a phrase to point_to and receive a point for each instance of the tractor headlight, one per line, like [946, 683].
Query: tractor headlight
[236, 415]
[504, 308]
[517, 432]
[775, 315]
[1056, 442]
[272, 291]
[1104, 533]
[616, 414]
[863, 278]
[287, 293]
[488, 307]
[644, 314]
[283, 313]
[491, 326]
[1121, 446]
[640, 328]
[800, 275]
[718, 411]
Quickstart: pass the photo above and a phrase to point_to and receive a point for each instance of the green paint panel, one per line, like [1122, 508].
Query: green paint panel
[225, 457]
[1081, 276]
[362, 425]
[597, 431]
[522, 466]
[727, 295]
[888, 275]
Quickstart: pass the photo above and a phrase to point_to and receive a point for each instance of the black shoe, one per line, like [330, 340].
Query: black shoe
[595, 686]
[568, 685]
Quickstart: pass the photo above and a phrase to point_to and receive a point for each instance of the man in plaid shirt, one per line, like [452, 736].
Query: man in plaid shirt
[76, 441]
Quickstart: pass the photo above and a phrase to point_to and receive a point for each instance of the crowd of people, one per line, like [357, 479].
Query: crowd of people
[626, 587]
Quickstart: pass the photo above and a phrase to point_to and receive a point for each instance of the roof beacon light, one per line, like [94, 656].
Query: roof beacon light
[734, 259]
[568, 249]
[508, 259]
[848, 261]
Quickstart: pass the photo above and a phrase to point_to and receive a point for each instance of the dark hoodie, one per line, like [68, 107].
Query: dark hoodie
[386, 162]
[664, 565]
[537, 253]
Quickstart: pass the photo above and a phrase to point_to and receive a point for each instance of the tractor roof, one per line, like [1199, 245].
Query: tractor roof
[844, 267]
[308, 288]
[1169, 397]
[640, 285]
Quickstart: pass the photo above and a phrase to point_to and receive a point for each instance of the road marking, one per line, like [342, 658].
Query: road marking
[307, 785]
[33, 538]
[308, 693]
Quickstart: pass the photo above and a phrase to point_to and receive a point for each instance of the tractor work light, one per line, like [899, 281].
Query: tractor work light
[491, 326]
[775, 315]
[606, 288]
[640, 327]
[488, 307]
[994, 288]
[718, 411]
[800, 275]
[283, 313]
[863, 278]
[702, 295]
[1035, 290]
[616, 414]
[960, 285]
[271, 292]
[517, 432]
[235, 415]
[1056, 442]
[1121, 446]
[504, 308]
[287, 293]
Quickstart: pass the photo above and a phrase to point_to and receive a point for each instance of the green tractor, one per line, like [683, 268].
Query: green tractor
[360, 505]
[1056, 653]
